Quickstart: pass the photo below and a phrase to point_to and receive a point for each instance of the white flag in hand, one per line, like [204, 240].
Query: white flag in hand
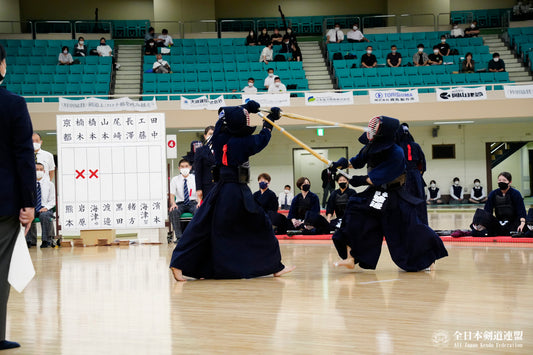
[21, 269]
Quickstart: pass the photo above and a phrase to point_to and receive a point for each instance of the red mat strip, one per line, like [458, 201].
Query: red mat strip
[444, 238]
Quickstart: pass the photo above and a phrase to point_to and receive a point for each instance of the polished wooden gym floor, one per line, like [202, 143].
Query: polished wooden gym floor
[123, 300]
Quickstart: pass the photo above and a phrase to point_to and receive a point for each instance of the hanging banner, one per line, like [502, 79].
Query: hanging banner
[328, 98]
[102, 105]
[269, 100]
[393, 96]
[462, 94]
[519, 91]
[202, 103]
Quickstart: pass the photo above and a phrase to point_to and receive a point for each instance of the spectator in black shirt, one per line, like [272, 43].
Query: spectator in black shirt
[338, 200]
[444, 48]
[473, 30]
[394, 59]
[80, 49]
[291, 35]
[264, 37]
[251, 39]
[369, 60]
[276, 37]
[151, 47]
[286, 45]
[268, 199]
[468, 65]
[496, 64]
[435, 58]
[296, 52]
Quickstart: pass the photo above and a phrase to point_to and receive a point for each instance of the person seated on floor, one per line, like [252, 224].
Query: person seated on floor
[269, 201]
[528, 231]
[433, 196]
[508, 207]
[302, 204]
[285, 198]
[457, 192]
[337, 202]
[477, 195]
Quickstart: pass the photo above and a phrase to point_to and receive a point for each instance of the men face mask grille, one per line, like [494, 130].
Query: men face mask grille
[373, 128]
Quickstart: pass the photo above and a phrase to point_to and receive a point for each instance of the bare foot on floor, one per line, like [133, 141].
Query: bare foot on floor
[430, 268]
[347, 263]
[285, 270]
[178, 275]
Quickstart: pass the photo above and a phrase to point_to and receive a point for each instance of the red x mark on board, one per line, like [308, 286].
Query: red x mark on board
[93, 174]
[80, 174]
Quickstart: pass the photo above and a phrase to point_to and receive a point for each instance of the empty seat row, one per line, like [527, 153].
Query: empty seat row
[57, 78]
[51, 43]
[218, 76]
[60, 69]
[230, 67]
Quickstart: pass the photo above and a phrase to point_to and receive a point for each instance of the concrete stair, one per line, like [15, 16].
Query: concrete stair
[128, 77]
[517, 71]
[316, 71]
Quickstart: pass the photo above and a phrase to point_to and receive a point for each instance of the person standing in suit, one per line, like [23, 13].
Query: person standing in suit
[203, 163]
[17, 186]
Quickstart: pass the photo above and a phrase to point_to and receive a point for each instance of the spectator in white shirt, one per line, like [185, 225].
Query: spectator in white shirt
[43, 157]
[45, 202]
[285, 198]
[267, 54]
[355, 35]
[250, 88]
[182, 196]
[277, 87]
[165, 39]
[269, 80]
[161, 66]
[477, 195]
[65, 58]
[457, 32]
[104, 50]
[335, 35]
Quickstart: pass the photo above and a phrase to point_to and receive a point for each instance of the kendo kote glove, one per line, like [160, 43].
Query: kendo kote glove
[358, 180]
[275, 114]
[252, 106]
[342, 163]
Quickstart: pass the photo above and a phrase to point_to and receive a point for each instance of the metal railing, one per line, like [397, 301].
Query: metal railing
[93, 27]
[53, 27]
[16, 27]
[240, 27]
[175, 28]
[381, 21]
[418, 20]
[200, 26]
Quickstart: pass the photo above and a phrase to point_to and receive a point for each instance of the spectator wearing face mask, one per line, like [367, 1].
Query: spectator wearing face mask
[355, 35]
[276, 37]
[338, 200]
[291, 35]
[285, 198]
[165, 38]
[456, 32]
[420, 58]
[45, 202]
[269, 80]
[435, 58]
[150, 47]
[264, 37]
[267, 55]
[468, 65]
[444, 48]
[80, 49]
[104, 50]
[296, 52]
[496, 64]
[477, 195]
[161, 66]
[457, 192]
[278, 87]
[182, 196]
[473, 30]
[433, 196]
[264, 196]
[394, 59]
[251, 39]
[335, 35]
[64, 57]
[368, 60]
[250, 88]
[304, 202]
[286, 46]
[44, 157]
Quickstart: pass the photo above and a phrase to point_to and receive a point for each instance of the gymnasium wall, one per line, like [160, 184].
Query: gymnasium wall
[518, 165]
[459, 5]
[9, 10]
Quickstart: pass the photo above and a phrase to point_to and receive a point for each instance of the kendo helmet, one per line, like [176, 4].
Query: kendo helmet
[237, 118]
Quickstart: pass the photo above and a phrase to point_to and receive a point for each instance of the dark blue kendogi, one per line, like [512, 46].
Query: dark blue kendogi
[231, 236]
[385, 208]
[204, 160]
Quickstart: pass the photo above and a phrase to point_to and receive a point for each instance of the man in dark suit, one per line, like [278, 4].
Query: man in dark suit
[203, 162]
[328, 184]
[17, 185]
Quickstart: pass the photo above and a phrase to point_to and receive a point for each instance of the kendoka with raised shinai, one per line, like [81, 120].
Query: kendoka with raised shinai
[385, 208]
[231, 236]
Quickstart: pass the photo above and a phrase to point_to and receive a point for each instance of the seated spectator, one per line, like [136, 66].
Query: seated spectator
[355, 35]
[433, 196]
[151, 35]
[302, 204]
[251, 39]
[150, 47]
[456, 32]
[277, 87]
[64, 57]
[264, 38]
[507, 204]
[104, 50]
[368, 60]
[182, 196]
[267, 55]
[286, 46]
[444, 48]
[250, 88]
[291, 35]
[496, 64]
[468, 66]
[165, 39]
[420, 58]
[285, 198]
[269, 80]
[296, 52]
[267, 199]
[394, 59]
[435, 58]
[477, 195]
[335, 35]
[45, 202]
[161, 66]
[473, 30]
[276, 37]
[456, 192]
[80, 49]
[337, 202]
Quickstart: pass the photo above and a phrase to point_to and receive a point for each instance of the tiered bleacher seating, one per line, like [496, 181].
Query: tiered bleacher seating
[521, 41]
[217, 66]
[484, 18]
[33, 70]
[406, 76]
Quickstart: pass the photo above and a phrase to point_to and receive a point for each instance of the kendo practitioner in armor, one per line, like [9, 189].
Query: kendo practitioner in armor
[528, 231]
[231, 237]
[415, 167]
[508, 207]
[385, 208]
[337, 202]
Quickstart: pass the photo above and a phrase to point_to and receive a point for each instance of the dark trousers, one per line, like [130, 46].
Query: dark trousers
[9, 229]
[327, 191]
[47, 228]
[175, 215]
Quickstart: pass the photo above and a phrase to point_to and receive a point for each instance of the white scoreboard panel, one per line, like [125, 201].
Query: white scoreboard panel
[112, 171]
